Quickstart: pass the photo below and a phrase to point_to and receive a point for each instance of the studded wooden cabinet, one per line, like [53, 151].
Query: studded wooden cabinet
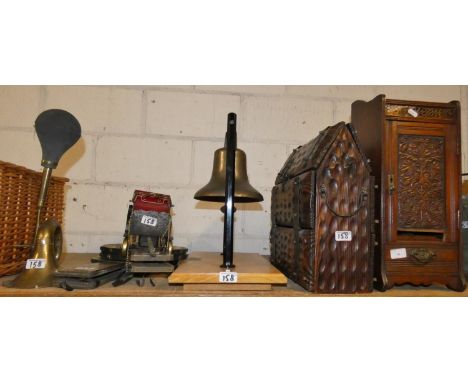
[321, 213]
[414, 148]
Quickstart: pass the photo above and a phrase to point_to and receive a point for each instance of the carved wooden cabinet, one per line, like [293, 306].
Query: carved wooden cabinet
[322, 215]
[414, 148]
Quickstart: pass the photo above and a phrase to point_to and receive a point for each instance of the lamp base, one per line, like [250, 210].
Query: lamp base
[201, 271]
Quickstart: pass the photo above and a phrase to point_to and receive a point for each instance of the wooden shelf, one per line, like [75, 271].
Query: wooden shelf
[164, 289]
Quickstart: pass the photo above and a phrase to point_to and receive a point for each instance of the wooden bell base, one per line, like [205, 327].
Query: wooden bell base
[201, 272]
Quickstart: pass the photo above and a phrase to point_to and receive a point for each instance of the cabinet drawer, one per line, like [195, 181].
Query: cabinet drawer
[422, 259]
[419, 111]
[295, 196]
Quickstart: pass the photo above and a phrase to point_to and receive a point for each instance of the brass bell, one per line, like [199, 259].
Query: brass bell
[214, 191]
[229, 184]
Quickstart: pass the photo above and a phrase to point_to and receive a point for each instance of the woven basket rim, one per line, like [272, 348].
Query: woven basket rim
[28, 170]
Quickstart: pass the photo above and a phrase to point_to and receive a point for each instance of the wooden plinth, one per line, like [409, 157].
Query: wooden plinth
[201, 272]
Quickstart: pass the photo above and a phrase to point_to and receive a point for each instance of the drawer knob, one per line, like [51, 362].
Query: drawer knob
[422, 255]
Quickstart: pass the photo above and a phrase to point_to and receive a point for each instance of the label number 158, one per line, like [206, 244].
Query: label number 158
[227, 277]
[343, 235]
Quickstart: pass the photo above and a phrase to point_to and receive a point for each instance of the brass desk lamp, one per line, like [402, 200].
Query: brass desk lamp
[57, 131]
[229, 183]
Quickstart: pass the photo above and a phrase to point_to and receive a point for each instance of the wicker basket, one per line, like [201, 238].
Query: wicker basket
[19, 193]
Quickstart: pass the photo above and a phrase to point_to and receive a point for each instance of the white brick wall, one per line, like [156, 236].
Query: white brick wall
[19, 106]
[335, 92]
[162, 138]
[143, 160]
[21, 147]
[243, 89]
[99, 109]
[189, 114]
[426, 93]
[342, 111]
[283, 119]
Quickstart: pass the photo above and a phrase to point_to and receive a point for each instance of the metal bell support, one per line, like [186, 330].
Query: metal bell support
[229, 183]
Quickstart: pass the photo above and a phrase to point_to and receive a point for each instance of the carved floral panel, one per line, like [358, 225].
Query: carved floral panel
[421, 193]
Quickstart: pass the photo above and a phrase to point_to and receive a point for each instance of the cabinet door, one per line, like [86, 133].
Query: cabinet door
[422, 182]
